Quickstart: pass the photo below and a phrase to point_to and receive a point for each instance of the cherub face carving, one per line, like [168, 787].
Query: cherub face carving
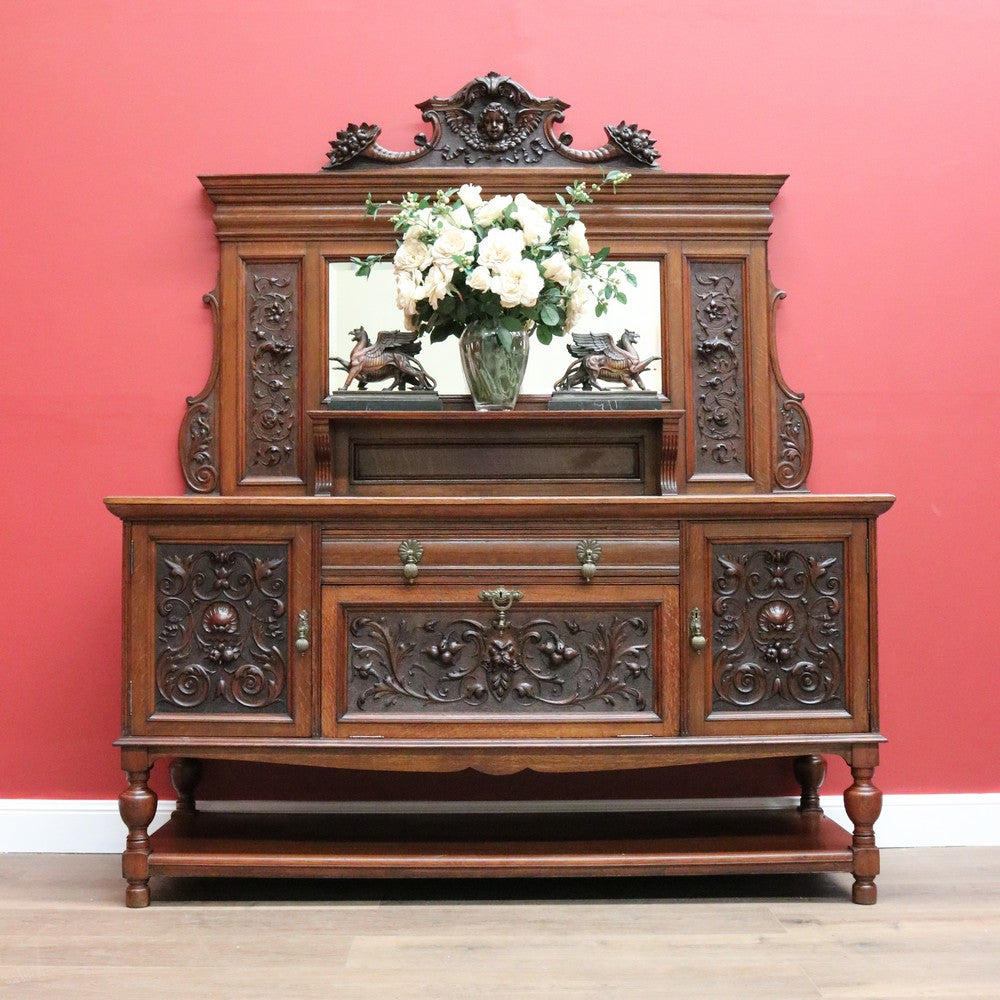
[493, 123]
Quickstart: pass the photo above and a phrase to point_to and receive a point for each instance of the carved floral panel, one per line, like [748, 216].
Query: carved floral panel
[418, 662]
[272, 369]
[718, 363]
[222, 628]
[778, 627]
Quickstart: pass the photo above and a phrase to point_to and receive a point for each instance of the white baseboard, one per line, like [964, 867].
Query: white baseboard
[92, 826]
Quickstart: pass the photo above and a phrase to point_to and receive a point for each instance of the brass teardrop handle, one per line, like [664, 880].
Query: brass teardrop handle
[588, 551]
[502, 600]
[410, 553]
[302, 633]
[698, 640]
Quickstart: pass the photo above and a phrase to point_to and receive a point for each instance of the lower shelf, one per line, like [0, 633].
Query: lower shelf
[463, 846]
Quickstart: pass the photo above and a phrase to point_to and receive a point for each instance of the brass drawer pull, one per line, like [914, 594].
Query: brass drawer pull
[698, 641]
[410, 553]
[302, 633]
[588, 551]
[502, 600]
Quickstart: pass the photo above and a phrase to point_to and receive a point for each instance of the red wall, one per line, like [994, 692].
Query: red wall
[884, 114]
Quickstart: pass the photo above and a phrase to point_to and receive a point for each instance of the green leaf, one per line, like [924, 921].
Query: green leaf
[512, 323]
[631, 279]
[621, 297]
[505, 338]
[602, 254]
[602, 308]
[549, 316]
[544, 335]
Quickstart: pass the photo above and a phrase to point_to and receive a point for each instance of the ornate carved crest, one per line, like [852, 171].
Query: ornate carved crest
[491, 121]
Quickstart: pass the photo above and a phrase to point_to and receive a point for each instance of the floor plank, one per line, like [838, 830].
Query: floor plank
[65, 933]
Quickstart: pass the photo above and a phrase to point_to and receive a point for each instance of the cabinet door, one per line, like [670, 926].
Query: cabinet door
[214, 614]
[784, 612]
[456, 661]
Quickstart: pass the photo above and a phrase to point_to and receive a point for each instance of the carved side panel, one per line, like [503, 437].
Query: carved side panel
[222, 629]
[198, 441]
[718, 368]
[778, 627]
[273, 358]
[416, 662]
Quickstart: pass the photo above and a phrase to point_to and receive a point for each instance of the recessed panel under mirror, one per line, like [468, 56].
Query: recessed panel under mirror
[370, 303]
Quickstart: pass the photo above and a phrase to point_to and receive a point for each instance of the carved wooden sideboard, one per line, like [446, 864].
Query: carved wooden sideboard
[540, 589]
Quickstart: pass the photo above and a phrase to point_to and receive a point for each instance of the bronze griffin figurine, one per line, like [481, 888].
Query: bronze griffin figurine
[392, 356]
[597, 358]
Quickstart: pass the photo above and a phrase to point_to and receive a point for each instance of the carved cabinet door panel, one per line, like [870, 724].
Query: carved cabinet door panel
[215, 618]
[776, 627]
[491, 661]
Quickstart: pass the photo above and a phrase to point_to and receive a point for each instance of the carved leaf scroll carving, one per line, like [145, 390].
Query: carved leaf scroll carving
[417, 663]
[198, 441]
[221, 628]
[272, 325]
[717, 331]
[778, 627]
[792, 428]
[491, 121]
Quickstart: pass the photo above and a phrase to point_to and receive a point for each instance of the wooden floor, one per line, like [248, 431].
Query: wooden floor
[935, 933]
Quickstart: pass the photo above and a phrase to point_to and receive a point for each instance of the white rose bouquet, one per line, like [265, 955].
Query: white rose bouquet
[509, 260]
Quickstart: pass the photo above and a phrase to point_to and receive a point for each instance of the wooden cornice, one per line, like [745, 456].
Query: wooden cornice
[316, 206]
[478, 510]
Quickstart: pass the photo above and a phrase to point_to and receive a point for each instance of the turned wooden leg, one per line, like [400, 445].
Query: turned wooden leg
[137, 805]
[810, 771]
[185, 773]
[864, 803]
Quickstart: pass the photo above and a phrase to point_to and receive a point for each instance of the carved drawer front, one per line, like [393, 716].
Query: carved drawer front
[468, 660]
[589, 555]
[216, 619]
[777, 628]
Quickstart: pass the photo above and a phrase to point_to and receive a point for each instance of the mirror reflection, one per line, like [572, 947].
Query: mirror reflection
[371, 303]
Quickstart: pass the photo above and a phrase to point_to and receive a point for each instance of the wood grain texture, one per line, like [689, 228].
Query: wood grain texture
[65, 936]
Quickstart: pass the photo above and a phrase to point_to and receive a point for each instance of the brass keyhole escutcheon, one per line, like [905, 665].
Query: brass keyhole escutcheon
[502, 600]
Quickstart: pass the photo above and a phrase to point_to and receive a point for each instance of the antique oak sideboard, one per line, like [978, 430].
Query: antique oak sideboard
[558, 590]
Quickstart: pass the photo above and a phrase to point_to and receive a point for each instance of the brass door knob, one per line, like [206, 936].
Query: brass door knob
[588, 551]
[410, 553]
[302, 633]
[697, 639]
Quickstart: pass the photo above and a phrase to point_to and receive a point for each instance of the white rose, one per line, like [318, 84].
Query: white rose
[479, 279]
[518, 284]
[576, 233]
[470, 195]
[525, 206]
[452, 242]
[407, 292]
[578, 304]
[488, 213]
[499, 247]
[437, 284]
[536, 229]
[412, 255]
[460, 217]
[556, 268]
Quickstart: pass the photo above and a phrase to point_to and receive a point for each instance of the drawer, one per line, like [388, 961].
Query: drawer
[553, 553]
[463, 661]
